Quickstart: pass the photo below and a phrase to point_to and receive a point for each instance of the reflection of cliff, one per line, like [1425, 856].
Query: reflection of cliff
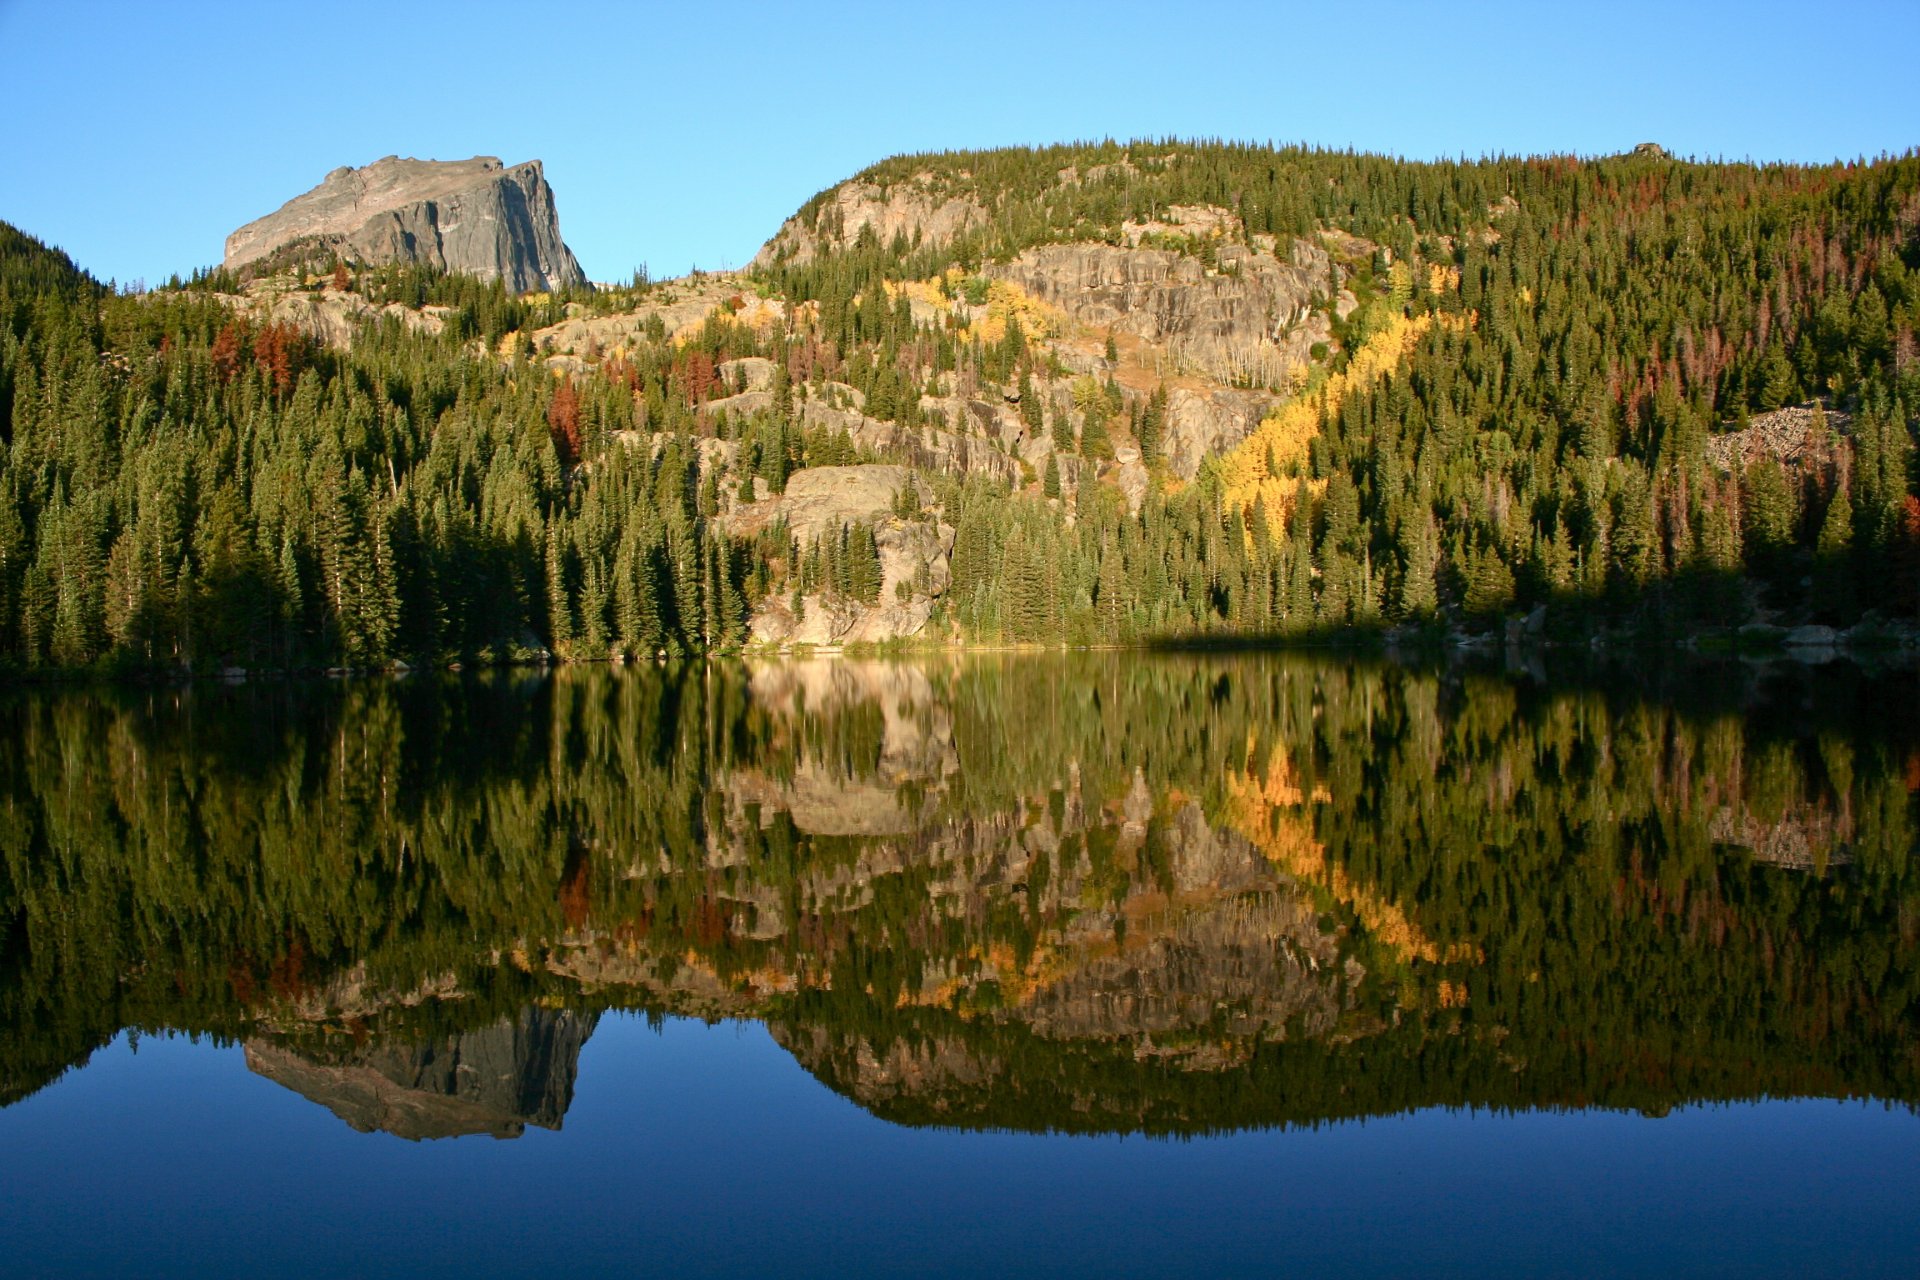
[863, 744]
[1806, 839]
[496, 1080]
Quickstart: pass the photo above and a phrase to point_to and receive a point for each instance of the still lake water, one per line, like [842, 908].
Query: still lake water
[1102, 964]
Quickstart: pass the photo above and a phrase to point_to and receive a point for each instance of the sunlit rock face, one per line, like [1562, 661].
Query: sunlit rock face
[497, 1080]
[474, 217]
[914, 210]
[914, 555]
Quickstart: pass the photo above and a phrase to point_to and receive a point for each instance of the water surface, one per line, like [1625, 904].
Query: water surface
[1082, 965]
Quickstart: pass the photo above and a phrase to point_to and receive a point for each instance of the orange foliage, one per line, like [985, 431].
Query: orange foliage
[226, 353]
[711, 923]
[699, 375]
[576, 884]
[287, 977]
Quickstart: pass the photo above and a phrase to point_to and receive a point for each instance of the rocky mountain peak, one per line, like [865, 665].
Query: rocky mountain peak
[475, 216]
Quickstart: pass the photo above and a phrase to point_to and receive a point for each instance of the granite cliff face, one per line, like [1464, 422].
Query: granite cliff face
[1250, 319]
[473, 216]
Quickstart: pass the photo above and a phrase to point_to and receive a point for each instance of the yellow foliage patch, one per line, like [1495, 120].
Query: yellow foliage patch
[1005, 299]
[926, 293]
[759, 314]
[1266, 466]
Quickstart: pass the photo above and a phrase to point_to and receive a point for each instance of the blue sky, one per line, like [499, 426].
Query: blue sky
[138, 134]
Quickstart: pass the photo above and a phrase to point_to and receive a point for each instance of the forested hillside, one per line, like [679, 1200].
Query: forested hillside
[1129, 394]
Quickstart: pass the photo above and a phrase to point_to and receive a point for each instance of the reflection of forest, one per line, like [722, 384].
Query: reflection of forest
[1098, 892]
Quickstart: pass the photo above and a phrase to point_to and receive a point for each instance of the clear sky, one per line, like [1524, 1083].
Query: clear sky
[136, 135]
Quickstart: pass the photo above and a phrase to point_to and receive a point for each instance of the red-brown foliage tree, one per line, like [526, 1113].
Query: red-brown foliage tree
[281, 352]
[576, 889]
[226, 353]
[701, 377]
[563, 420]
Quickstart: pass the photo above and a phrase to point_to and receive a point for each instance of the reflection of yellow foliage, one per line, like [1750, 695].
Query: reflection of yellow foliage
[1272, 814]
[1018, 983]
[1267, 464]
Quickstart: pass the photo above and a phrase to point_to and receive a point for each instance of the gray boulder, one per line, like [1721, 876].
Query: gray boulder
[470, 216]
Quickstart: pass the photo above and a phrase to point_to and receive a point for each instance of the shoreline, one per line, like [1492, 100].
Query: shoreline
[1895, 646]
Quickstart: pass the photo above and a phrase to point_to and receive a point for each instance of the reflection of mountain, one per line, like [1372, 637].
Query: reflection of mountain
[496, 1080]
[1090, 893]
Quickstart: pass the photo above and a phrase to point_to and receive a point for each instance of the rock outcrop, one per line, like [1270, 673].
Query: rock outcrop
[329, 317]
[915, 556]
[1797, 436]
[1207, 421]
[471, 216]
[1248, 320]
[915, 210]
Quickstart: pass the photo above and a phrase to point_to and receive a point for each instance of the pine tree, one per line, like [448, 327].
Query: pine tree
[1771, 514]
[1063, 441]
[1420, 561]
[1833, 560]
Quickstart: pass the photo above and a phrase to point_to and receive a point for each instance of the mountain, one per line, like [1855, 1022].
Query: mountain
[472, 217]
[1106, 393]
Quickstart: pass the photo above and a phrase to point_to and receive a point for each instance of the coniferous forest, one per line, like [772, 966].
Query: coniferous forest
[1519, 406]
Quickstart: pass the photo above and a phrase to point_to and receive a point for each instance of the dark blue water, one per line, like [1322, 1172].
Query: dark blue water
[699, 1150]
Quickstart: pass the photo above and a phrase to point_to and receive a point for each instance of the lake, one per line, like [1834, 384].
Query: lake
[1111, 964]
